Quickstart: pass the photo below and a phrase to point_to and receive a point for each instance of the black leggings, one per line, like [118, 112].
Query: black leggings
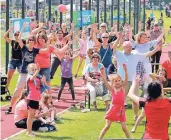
[23, 124]
[54, 67]
[71, 86]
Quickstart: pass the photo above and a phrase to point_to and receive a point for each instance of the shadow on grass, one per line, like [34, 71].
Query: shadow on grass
[54, 137]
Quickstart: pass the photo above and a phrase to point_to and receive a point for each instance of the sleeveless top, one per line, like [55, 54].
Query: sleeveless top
[107, 60]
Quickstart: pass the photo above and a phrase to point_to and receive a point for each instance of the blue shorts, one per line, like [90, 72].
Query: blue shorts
[13, 64]
[46, 73]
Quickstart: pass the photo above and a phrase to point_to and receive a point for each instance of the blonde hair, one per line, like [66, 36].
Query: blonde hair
[114, 76]
[45, 98]
[31, 65]
[139, 36]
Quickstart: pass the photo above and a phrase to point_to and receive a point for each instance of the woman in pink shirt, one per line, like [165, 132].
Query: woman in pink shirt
[44, 59]
[21, 114]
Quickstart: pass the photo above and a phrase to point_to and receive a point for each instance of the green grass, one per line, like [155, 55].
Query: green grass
[74, 125]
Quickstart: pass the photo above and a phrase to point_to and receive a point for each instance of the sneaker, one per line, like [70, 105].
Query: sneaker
[8, 111]
[43, 129]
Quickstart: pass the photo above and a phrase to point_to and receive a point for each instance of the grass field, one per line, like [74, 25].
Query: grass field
[74, 125]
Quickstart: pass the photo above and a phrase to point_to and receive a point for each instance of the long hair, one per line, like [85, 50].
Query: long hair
[24, 94]
[165, 83]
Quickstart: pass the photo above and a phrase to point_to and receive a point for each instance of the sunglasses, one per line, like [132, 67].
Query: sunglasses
[105, 37]
[16, 34]
[96, 57]
[31, 40]
[60, 33]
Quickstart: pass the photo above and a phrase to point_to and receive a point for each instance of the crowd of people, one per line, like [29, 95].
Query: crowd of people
[117, 65]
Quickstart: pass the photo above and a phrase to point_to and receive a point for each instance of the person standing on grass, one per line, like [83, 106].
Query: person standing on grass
[157, 109]
[116, 113]
[61, 41]
[66, 69]
[16, 55]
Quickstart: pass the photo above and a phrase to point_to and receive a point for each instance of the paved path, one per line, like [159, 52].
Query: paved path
[7, 123]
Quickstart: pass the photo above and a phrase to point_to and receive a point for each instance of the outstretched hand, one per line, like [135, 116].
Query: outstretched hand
[136, 80]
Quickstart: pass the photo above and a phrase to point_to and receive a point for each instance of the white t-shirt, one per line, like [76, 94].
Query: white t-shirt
[131, 62]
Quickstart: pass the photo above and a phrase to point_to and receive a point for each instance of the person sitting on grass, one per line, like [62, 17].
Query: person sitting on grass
[157, 109]
[66, 70]
[21, 115]
[116, 113]
[47, 106]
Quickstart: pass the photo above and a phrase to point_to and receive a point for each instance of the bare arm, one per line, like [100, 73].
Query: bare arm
[126, 76]
[150, 53]
[35, 74]
[6, 35]
[97, 43]
[70, 33]
[116, 42]
[20, 34]
[161, 36]
[105, 82]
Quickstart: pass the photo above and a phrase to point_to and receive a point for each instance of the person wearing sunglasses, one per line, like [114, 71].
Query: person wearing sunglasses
[29, 53]
[16, 55]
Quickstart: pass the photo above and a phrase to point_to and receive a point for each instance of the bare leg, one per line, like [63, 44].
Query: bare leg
[79, 65]
[107, 126]
[9, 76]
[31, 115]
[140, 118]
[125, 129]
[135, 109]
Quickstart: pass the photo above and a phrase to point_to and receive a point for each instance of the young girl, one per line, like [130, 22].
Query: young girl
[66, 69]
[33, 88]
[116, 112]
[83, 50]
[46, 105]
[161, 77]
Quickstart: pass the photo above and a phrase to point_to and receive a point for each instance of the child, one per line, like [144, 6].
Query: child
[33, 88]
[46, 105]
[66, 69]
[116, 112]
[161, 77]
[83, 48]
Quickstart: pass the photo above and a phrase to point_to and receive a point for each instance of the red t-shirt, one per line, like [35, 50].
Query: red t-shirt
[43, 59]
[158, 114]
[167, 66]
[33, 87]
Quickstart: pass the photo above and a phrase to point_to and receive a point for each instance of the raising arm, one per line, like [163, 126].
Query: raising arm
[6, 35]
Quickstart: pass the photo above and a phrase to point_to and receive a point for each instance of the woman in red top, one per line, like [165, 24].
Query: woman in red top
[157, 110]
